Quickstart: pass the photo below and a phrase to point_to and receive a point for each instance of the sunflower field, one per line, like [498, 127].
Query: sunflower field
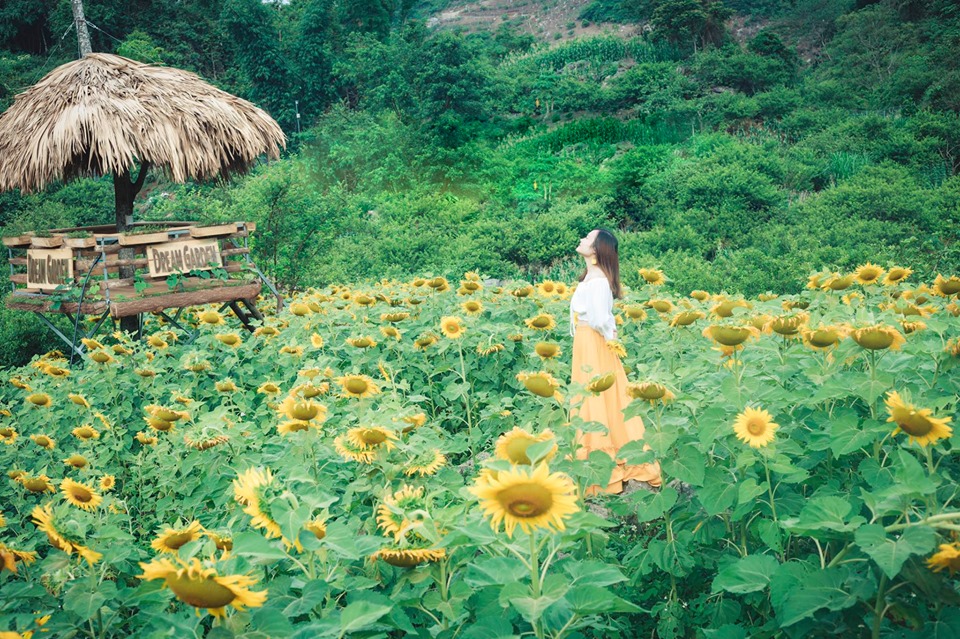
[399, 459]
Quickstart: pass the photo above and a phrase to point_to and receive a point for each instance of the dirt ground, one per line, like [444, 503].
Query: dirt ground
[542, 19]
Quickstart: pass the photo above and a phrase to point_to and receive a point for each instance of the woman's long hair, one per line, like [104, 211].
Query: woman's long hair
[608, 259]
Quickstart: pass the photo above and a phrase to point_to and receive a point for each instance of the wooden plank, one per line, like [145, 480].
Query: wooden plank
[187, 298]
[234, 251]
[23, 303]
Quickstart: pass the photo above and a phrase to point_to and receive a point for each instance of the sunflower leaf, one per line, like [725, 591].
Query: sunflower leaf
[253, 545]
[889, 553]
[360, 615]
[590, 600]
[688, 466]
[749, 574]
[651, 505]
[719, 491]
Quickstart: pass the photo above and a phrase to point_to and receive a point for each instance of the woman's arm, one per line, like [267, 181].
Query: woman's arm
[600, 309]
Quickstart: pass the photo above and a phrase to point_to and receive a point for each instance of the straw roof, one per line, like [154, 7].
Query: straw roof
[103, 113]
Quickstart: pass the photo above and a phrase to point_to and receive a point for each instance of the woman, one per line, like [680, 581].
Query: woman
[592, 324]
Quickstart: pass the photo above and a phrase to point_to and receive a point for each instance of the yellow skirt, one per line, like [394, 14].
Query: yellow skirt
[591, 357]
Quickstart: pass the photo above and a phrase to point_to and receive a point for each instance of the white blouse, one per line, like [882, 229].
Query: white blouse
[592, 303]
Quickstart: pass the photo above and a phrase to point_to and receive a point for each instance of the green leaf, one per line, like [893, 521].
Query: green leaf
[910, 473]
[652, 505]
[490, 627]
[592, 600]
[82, 601]
[749, 490]
[798, 590]
[847, 435]
[728, 631]
[538, 450]
[750, 574]
[254, 546]
[311, 596]
[593, 573]
[660, 441]
[271, 622]
[719, 491]
[360, 615]
[633, 453]
[494, 571]
[825, 512]
[688, 466]
[891, 553]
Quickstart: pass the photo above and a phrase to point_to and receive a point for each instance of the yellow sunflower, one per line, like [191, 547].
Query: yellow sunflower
[413, 421]
[897, 274]
[946, 286]
[546, 350]
[60, 539]
[80, 495]
[635, 312]
[371, 437]
[76, 460]
[316, 526]
[452, 327]
[918, 423]
[755, 426]
[824, 337]
[425, 341]
[171, 539]
[229, 339]
[401, 510]
[616, 347]
[946, 558]
[9, 557]
[40, 400]
[542, 322]
[547, 288]
[85, 432]
[530, 498]
[661, 306]
[210, 317]
[226, 386]
[8, 435]
[146, 440]
[523, 291]
[541, 383]
[357, 386]
[268, 388]
[350, 452]
[425, 464]
[363, 341]
[107, 482]
[489, 349]
[248, 491]
[787, 325]
[868, 274]
[268, 332]
[391, 332]
[653, 276]
[36, 483]
[472, 307]
[602, 382]
[203, 587]
[409, 557]
[650, 391]
[512, 446]
[725, 307]
[730, 335]
[393, 318]
[878, 337]
[302, 410]
[837, 282]
[43, 441]
[685, 318]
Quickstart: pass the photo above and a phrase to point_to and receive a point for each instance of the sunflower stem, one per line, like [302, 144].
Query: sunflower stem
[773, 505]
[879, 607]
[466, 398]
[933, 520]
[535, 577]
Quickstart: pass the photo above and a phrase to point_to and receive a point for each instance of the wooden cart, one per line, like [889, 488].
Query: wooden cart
[110, 275]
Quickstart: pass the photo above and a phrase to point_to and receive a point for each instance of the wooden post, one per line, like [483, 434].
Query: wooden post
[80, 21]
[124, 192]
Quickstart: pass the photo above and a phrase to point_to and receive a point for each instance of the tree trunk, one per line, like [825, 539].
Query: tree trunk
[83, 36]
[124, 192]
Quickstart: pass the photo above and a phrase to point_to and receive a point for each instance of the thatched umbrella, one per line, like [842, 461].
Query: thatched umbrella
[105, 114]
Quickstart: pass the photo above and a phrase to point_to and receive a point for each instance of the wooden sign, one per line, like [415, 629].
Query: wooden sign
[182, 257]
[49, 268]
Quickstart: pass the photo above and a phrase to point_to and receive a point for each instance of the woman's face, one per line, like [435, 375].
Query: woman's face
[585, 247]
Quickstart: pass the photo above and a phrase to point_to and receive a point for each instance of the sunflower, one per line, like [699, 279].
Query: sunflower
[725, 307]
[146, 440]
[660, 305]
[145, 372]
[603, 382]
[868, 274]
[165, 413]
[401, 510]
[530, 498]
[769, 297]
[824, 337]
[953, 347]
[229, 339]
[9, 558]
[918, 423]
[267, 332]
[650, 391]
[452, 327]
[78, 399]
[19, 383]
[685, 318]
[107, 482]
[205, 443]
[879, 337]
[365, 300]
[357, 386]
[787, 325]
[43, 441]
[76, 460]
[413, 421]
[512, 446]
[171, 539]
[946, 558]
[439, 284]
[86, 432]
[363, 341]
[302, 410]
[300, 309]
[347, 450]
[157, 424]
[211, 317]
[515, 337]
[248, 491]
[425, 341]
[426, 463]
[157, 341]
[56, 371]
[371, 437]
[541, 383]
[635, 312]
[912, 327]
[102, 357]
[268, 388]
[616, 347]
[523, 291]
[755, 426]
[409, 557]
[203, 587]
[489, 349]
[8, 435]
[391, 332]
[80, 495]
[225, 386]
[40, 400]
[546, 350]
[472, 307]
[45, 521]
[316, 526]
[36, 483]
[837, 282]
[653, 276]
[542, 322]
[727, 335]
[897, 274]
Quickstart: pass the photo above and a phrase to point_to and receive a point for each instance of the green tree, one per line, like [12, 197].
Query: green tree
[695, 22]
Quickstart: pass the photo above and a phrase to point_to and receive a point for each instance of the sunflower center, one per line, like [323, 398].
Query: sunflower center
[823, 338]
[177, 539]
[540, 322]
[372, 436]
[229, 339]
[756, 426]
[81, 494]
[304, 411]
[876, 339]
[84, 432]
[730, 335]
[200, 593]
[35, 485]
[915, 424]
[356, 386]
[526, 500]
[43, 441]
[539, 386]
[517, 450]
[653, 391]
